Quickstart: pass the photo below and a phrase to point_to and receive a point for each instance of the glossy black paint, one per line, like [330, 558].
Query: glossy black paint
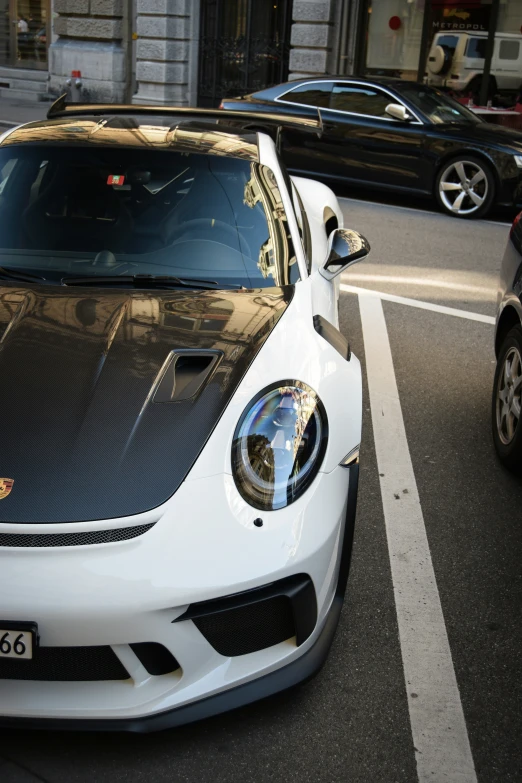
[81, 434]
[389, 155]
[510, 286]
[333, 336]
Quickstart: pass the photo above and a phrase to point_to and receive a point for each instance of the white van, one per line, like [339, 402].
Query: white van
[456, 60]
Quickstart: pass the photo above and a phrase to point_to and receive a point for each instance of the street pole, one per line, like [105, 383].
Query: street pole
[493, 19]
[426, 37]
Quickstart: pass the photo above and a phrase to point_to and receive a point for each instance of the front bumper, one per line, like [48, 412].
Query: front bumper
[134, 591]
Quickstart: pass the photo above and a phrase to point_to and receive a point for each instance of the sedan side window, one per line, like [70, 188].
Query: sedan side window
[310, 94]
[359, 99]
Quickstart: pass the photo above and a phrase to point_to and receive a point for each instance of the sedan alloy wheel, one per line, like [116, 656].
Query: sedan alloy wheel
[506, 407]
[465, 188]
[509, 396]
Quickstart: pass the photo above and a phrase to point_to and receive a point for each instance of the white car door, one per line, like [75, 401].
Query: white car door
[506, 63]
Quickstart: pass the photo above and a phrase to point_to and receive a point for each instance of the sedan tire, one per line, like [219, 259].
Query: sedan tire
[507, 402]
[465, 187]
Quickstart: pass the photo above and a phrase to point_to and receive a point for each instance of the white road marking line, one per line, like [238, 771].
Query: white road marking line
[426, 282]
[414, 209]
[438, 726]
[486, 319]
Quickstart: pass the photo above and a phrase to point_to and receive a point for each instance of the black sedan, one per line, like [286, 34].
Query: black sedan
[400, 136]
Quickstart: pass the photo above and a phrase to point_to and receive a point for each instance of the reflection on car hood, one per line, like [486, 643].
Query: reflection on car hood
[81, 434]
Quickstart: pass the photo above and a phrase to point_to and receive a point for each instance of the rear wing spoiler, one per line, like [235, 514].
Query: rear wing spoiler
[272, 124]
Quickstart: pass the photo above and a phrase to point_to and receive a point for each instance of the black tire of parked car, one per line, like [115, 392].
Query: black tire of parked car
[510, 454]
[486, 206]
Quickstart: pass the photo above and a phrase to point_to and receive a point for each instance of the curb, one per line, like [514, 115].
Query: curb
[8, 124]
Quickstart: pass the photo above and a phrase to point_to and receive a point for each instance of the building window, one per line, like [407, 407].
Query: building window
[24, 33]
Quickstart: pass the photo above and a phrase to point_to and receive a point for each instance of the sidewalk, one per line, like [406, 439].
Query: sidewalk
[13, 112]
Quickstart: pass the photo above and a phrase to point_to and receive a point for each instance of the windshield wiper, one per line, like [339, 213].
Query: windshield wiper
[147, 281]
[18, 274]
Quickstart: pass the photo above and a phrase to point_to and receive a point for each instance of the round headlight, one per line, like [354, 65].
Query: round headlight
[279, 445]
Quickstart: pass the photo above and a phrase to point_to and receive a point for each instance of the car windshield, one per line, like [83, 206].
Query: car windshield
[83, 211]
[437, 106]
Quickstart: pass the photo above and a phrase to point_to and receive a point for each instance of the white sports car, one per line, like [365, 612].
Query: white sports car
[181, 417]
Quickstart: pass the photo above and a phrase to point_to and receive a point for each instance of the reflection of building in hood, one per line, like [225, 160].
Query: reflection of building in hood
[274, 253]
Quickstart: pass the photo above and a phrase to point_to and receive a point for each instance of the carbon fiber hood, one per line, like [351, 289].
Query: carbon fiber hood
[81, 433]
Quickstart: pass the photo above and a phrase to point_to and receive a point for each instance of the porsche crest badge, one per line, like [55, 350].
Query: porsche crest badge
[6, 486]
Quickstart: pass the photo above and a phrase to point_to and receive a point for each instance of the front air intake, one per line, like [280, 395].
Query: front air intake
[256, 619]
[66, 664]
[249, 628]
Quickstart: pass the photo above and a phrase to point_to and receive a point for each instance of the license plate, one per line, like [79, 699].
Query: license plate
[18, 640]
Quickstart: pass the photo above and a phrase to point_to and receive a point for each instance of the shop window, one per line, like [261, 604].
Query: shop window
[311, 94]
[23, 33]
[509, 50]
[360, 100]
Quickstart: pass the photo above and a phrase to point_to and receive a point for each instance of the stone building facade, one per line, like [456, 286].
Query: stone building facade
[90, 38]
[148, 51]
[179, 52]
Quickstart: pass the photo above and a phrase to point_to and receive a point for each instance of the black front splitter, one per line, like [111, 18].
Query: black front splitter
[301, 669]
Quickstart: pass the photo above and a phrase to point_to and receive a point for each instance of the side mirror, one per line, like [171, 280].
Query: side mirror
[398, 112]
[345, 247]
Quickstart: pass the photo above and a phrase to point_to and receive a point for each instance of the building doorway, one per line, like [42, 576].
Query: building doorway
[244, 46]
[24, 33]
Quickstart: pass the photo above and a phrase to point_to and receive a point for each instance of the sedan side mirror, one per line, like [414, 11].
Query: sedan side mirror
[398, 112]
[345, 247]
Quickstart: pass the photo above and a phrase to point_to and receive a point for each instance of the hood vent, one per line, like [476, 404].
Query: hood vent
[184, 374]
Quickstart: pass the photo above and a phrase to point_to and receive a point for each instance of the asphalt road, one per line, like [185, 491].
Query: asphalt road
[356, 721]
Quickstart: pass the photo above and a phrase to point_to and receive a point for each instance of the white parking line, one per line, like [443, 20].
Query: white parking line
[486, 319]
[438, 726]
[413, 209]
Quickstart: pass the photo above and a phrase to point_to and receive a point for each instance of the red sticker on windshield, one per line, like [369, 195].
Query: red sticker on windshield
[115, 179]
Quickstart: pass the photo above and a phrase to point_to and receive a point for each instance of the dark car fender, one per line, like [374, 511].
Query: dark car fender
[504, 169]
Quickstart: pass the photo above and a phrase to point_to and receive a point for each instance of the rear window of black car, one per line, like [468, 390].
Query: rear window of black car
[84, 211]
[311, 94]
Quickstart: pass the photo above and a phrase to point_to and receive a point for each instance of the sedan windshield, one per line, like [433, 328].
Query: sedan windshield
[70, 212]
[437, 106]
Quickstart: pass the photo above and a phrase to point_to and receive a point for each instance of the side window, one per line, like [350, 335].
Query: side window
[310, 94]
[509, 50]
[360, 100]
[447, 42]
[476, 48]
